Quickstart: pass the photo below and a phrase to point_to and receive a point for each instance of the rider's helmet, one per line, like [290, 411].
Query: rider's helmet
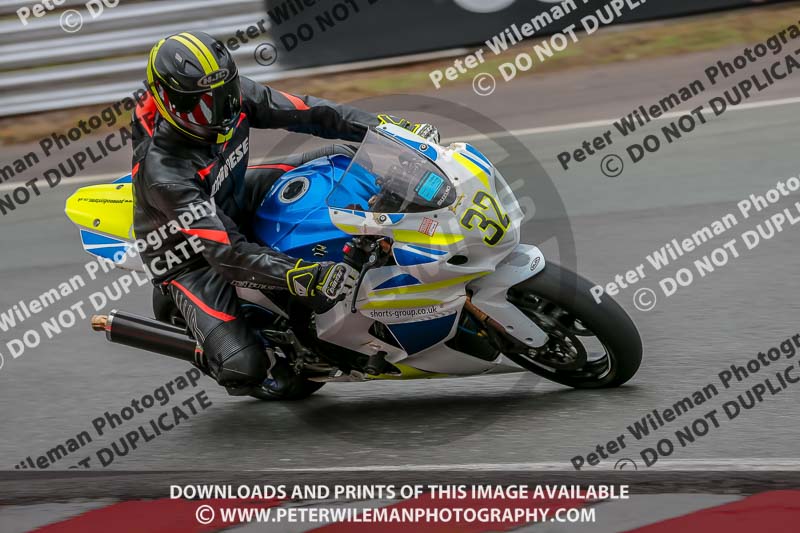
[195, 84]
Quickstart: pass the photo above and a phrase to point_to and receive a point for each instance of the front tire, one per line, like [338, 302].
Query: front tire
[559, 301]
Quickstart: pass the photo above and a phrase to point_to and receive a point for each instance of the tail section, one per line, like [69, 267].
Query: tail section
[104, 216]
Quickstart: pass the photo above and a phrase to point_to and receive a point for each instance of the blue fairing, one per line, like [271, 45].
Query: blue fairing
[294, 219]
[301, 226]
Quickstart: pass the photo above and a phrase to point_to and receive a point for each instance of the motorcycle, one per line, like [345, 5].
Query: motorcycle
[439, 285]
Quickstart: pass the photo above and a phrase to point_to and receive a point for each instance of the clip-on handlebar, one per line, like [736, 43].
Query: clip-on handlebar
[364, 254]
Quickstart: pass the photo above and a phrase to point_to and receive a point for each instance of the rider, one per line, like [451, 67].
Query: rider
[190, 148]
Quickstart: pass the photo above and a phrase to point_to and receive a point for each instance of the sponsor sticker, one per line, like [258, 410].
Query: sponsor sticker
[429, 186]
[428, 226]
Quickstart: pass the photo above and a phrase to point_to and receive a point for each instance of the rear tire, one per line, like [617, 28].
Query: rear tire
[575, 311]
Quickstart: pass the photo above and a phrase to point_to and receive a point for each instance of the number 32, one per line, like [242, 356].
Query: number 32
[491, 219]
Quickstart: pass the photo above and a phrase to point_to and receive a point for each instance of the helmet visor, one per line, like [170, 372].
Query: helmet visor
[215, 110]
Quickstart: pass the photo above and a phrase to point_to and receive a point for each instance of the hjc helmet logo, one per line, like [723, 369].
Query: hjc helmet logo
[215, 77]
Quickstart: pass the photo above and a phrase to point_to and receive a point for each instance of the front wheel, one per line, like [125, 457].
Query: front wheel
[591, 345]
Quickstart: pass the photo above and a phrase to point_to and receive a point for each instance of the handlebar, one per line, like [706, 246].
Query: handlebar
[364, 254]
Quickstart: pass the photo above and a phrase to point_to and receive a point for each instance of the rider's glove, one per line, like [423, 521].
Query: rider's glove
[322, 285]
[426, 131]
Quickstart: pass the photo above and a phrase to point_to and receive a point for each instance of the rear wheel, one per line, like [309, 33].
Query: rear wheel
[591, 345]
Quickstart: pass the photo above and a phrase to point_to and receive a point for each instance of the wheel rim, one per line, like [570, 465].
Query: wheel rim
[573, 351]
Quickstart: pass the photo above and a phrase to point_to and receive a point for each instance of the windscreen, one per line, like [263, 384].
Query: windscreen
[394, 177]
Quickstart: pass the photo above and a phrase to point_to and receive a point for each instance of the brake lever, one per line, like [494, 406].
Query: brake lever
[371, 263]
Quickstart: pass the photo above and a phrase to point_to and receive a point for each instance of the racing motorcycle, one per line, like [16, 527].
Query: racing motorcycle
[439, 284]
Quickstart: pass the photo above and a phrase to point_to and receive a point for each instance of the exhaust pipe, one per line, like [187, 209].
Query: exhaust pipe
[146, 334]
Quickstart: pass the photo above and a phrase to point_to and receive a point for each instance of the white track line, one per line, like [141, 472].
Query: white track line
[99, 178]
[610, 121]
[721, 465]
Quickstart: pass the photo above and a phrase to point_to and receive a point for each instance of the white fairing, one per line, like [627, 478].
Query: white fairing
[489, 294]
[420, 300]
[131, 260]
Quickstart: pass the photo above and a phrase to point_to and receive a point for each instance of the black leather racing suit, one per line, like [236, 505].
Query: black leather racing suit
[176, 179]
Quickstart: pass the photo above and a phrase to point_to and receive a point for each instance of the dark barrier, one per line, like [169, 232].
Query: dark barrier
[323, 32]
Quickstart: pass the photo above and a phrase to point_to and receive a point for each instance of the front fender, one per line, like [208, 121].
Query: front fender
[489, 294]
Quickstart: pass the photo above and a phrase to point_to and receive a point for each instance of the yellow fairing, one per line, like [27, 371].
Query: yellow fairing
[104, 208]
[425, 287]
[409, 372]
[475, 169]
[415, 237]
